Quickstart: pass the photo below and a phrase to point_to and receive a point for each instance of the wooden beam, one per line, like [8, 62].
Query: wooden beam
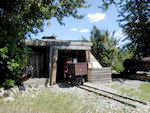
[54, 66]
[56, 43]
[73, 47]
[50, 52]
[89, 75]
[35, 43]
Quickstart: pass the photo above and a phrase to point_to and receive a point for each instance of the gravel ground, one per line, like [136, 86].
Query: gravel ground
[125, 83]
[103, 104]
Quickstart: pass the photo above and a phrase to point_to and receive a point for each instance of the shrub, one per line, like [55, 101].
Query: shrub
[9, 83]
[11, 66]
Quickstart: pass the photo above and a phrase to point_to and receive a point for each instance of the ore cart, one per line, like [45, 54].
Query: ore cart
[76, 73]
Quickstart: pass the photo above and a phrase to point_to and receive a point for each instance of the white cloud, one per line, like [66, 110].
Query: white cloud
[73, 29]
[84, 30]
[96, 17]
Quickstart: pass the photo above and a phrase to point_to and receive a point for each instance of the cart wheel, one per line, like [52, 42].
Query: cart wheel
[73, 82]
[79, 81]
[82, 81]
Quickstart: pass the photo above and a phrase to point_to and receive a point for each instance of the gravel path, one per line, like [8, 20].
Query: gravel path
[103, 104]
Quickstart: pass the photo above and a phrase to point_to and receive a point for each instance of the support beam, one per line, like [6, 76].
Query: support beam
[89, 75]
[50, 53]
[73, 47]
[54, 66]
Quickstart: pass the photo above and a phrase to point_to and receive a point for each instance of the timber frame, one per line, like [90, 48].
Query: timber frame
[53, 46]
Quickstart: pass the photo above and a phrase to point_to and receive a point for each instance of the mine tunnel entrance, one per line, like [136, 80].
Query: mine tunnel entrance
[68, 56]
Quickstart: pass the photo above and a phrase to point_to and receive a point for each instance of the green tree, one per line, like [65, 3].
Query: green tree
[136, 19]
[21, 18]
[105, 49]
[135, 22]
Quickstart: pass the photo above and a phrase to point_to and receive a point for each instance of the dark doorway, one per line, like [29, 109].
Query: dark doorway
[60, 68]
[65, 56]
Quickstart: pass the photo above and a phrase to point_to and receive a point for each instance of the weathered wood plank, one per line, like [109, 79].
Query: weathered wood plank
[101, 70]
[36, 64]
[99, 73]
[35, 43]
[73, 47]
[89, 75]
[68, 43]
[102, 80]
[50, 51]
[94, 77]
[42, 63]
[45, 42]
[54, 66]
[102, 75]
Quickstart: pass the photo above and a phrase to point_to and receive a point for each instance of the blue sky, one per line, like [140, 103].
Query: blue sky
[74, 29]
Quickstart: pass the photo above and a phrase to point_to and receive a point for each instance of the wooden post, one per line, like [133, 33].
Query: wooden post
[89, 75]
[54, 66]
[50, 52]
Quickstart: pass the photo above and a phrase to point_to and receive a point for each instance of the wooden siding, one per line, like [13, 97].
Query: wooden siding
[101, 74]
[36, 60]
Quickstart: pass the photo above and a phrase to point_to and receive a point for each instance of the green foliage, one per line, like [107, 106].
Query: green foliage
[106, 51]
[9, 83]
[123, 55]
[3, 52]
[135, 21]
[11, 67]
[21, 18]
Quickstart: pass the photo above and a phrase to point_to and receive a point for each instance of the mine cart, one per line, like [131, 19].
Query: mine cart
[76, 72]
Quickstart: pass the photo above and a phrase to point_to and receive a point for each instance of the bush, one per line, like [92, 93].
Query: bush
[11, 66]
[9, 83]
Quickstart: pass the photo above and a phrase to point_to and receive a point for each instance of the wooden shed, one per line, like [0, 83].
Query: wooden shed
[47, 59]
[48, 54]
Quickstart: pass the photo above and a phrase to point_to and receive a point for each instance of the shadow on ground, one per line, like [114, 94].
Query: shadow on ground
[124, 76]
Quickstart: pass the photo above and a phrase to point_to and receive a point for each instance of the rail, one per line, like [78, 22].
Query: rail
[122, 99]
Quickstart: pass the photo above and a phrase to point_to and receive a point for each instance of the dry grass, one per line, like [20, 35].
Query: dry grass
[47, 102]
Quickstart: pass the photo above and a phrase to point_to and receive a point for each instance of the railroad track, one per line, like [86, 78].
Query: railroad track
[119, 98]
